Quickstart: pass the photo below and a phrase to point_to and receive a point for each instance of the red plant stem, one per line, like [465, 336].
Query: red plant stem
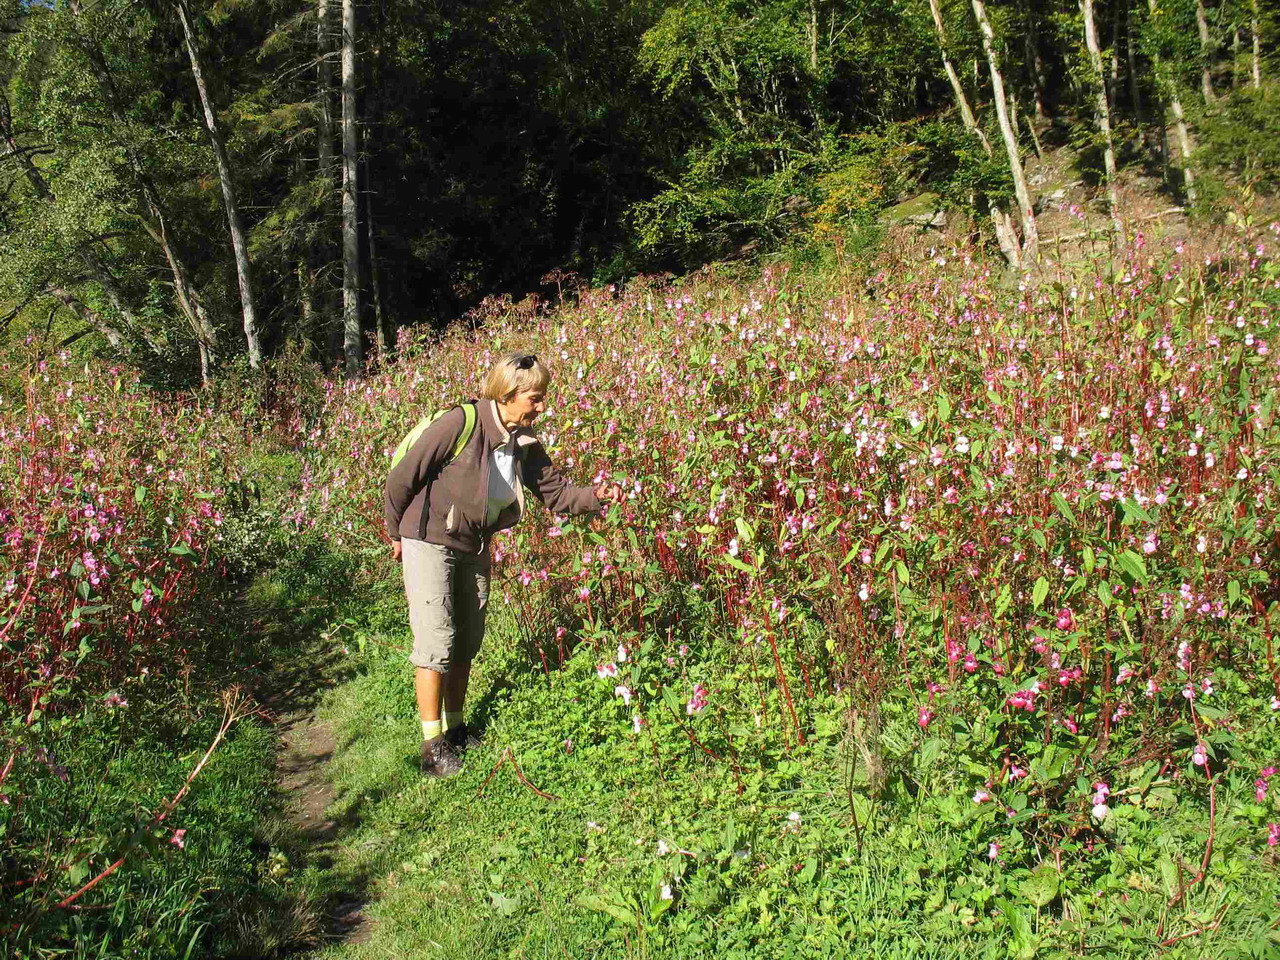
[231, 716]
[782, 676]
[35, 568]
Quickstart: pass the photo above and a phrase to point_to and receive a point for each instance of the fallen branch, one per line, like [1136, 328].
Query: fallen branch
[508, 756]
[1195, 933]
[234, 703]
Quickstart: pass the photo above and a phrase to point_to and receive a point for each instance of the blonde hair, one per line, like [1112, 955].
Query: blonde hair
[506, 379]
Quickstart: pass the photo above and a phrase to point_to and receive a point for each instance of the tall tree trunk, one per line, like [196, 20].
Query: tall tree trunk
[1006, 236]
[1035, 63]
[1104, 116]
[326, 307]
[1257, 44]
[1206, 54]
[1131, 65]
[234, 222]
[382, 322]
[1179, 118]
[353, 344]
[1113, 80]
[188, 297]
[1030, 236]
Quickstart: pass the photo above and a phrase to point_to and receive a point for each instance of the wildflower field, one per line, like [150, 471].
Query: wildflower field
[938, 620]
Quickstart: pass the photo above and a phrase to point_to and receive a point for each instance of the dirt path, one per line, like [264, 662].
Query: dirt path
[306, 747]
[290, 689]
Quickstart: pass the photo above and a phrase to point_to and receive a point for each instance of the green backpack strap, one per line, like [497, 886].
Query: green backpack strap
[468, 428]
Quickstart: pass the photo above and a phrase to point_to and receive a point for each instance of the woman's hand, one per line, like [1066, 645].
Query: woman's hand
[608, 492]
[395, 550]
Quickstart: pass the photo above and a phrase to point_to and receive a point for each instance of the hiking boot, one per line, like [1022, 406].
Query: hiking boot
[461, 738]
[438, 758]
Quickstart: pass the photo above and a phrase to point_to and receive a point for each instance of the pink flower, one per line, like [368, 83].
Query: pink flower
[583, 592]
[179, 839]
[981, 796]
[1260, 789]
[924, 717]
[698, 701]
[1199, 756]
[607, 670]
[1016, 772]
[1023, 700]
[1066, 619]
[1273, 834]
[993, 851]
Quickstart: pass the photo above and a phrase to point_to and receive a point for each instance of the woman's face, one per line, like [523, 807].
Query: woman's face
[524, 408]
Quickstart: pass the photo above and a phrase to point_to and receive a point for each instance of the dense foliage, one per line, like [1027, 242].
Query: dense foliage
[503, 142]
[1008, 553]
[939, 608]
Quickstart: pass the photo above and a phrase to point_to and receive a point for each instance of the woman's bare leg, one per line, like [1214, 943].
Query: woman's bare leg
[455, 687]
[428, 684]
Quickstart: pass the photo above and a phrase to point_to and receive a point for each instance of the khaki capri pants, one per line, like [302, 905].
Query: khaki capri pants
[448, 593]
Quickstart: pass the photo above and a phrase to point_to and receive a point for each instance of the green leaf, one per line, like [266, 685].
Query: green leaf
[744, 529]
[904, 575]
[1041, 887]
[505, 906]
[944, 408]
[619, 912]
[181, 549]
[1132, 564]
[139, 494]
[1134, 513]
[930, 750]
[1039, 592]
[1104, 593]
[1064, 508]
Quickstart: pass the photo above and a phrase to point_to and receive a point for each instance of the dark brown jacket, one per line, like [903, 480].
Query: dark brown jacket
[447, 506]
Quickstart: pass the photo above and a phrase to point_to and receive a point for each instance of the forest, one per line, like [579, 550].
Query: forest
[191, 186]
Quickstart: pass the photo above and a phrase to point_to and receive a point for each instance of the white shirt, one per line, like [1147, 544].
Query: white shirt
[502, 479]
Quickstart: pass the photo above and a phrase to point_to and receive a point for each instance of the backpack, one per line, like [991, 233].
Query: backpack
[468, 428]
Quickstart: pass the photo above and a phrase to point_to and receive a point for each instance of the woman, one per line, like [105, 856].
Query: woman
[444, 503]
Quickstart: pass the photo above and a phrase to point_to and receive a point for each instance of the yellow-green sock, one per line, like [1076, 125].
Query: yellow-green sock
[431, 729]
[452, 719]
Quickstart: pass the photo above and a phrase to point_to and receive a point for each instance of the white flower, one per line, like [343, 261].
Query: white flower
[1100, 810]
[624, 693]
[622, 654]
[663, 848]
[665, 892]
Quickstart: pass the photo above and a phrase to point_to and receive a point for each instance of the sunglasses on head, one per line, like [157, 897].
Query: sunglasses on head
[526, 362]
